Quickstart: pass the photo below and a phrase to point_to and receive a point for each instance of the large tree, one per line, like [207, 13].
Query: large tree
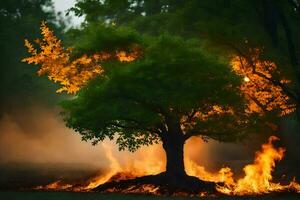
[143, 73]
[170, 93]
[161, 88]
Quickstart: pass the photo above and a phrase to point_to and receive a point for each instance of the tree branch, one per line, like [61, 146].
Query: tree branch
[138, 127]
[288, 91]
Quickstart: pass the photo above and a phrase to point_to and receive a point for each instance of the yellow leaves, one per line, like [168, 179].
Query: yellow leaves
[262, 94]
[214, 111]
[188, 122]
[101, 56]
[55, 62]
[127, 57]
[30, 47]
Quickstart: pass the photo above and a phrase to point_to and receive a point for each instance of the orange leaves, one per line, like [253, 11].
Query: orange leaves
[215, 110]
[55, 61]
[258, 85]
[189, 121]
[30, 48]
[127, 57]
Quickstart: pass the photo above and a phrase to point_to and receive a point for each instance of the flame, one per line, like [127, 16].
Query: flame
[144, 162]
[257, 180]
[114, 168]
[57, 185]
[258, 176]
[144, 188]
[223, 175]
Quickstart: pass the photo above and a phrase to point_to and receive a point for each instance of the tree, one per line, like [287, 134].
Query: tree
[171, 93]
[167, 90]
[158, 80]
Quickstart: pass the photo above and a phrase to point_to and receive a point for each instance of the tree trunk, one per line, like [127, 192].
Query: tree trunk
[173, 145]
[174, 179]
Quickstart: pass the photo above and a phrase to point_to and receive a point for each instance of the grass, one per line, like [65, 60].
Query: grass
[38, 195]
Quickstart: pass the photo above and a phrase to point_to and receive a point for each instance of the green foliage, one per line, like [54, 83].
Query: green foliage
[226, 26]
[172, 77]
[98, 37]
[175, 75]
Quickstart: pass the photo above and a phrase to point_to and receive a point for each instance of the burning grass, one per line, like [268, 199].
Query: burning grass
[134, 178]
[36, 195]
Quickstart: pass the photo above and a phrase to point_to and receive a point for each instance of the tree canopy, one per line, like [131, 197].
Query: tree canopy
[172, 79]
[228, 28]
[158, 75]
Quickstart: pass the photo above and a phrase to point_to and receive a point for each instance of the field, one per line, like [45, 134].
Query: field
[96, 196]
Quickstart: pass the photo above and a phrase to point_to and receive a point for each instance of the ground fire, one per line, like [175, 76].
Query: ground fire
[257, 177]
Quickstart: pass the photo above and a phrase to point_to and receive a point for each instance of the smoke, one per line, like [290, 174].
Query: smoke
[37, 135]
[35, 138]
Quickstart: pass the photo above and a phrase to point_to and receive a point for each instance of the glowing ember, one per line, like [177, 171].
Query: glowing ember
[144, 188]
[57, 185]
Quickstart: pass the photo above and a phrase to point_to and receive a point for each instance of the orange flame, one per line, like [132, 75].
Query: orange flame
[258, 176]
[145, 162]
[257, 180]
[57, 185]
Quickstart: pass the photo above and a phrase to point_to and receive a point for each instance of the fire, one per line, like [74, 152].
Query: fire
[257, 179]
[57, 185]
[223, 175]
[258, 176]
[144, 163]
[121, 167]
[114, 168]
[145, 189]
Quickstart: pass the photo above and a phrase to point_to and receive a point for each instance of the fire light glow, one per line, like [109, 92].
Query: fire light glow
[246, 79]
[257, 179]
